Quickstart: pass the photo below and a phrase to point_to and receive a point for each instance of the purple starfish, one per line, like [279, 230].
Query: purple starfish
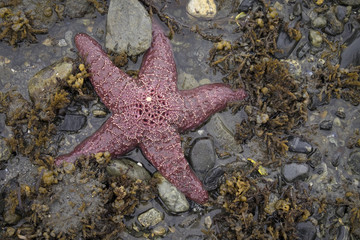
[150, 112]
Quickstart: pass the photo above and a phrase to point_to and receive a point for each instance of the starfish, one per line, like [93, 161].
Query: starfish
[149, 112]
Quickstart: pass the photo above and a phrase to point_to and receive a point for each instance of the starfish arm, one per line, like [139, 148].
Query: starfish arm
[201, 102]
[164, 151]
[158, 66]
[109, 81]
[110, 137]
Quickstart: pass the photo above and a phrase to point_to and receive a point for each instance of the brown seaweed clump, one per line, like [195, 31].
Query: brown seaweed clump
[253, 212]
[75, 200]
[31, 134]
[277, 99]
[17, 26]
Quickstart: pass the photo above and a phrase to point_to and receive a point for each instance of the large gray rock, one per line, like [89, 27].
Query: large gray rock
[128, 27]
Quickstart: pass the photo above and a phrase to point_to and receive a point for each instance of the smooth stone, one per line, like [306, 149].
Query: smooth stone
[201, 8]
[186, 81]
[246, 5]
[128, 27]
[151, 217]
[340, 113]
[334, 26]
[217, 128]
[78, 8]
[285, 43]
[44, 83]
[212, 178]
[351, 54]
[297, 10]
[202, 155]
[295, 171]
[5, 152]
[319, 22]
[342, 12]
[343, 233]
[174, 200]
[315, 38]
[354, 162]
[298, 145]
[306, 230]
[326, 125]
[72, 122]
[117, 167]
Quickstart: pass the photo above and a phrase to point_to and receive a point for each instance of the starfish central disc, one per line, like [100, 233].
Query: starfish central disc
[150, 112]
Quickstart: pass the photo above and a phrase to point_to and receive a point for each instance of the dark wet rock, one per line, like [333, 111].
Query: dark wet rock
[174, 200]
[246, 5]
[117, 167]
[340, 211]
[72, 122]
[286, 44]
[315, 38]
[128, 27]
[315, 158]
[334, 26]
[318, 22]
[302, 50]
[306, 230]
[202, 155]
[316, 102]
[44, 83]
[212, 178]
[5, 152]
[78, 8]
[295, 171]
[351, 54]
[342, 12]
[340, 113]
[326, 125]
[297, 10]
[350, 2]
[343, 233]
[151, 217]
[354, 162]
[297, 144]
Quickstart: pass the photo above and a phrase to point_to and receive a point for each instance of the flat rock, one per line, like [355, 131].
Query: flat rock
[128, 27]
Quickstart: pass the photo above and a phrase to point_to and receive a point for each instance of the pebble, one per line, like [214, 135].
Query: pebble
[326, 125]
[77, 8]
[334, 26]
[297, 10]
[319, 22]
[286, 44]
[245, 5]
[295, 171]
[11, 218]
[340, 113]
[302, 50]
[343, 233]
[128, 27]
[306, 230]
[354, 162]
[201, 8]
[315, 38]
[174, 200]
[151, 217]
[212, 178]
[117, 167]
[72, 122]
[202, 155]
[5, 152]
[296, 144]
[351, 54]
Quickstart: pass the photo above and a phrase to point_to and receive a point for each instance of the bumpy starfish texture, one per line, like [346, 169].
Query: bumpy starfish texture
[149, 112]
